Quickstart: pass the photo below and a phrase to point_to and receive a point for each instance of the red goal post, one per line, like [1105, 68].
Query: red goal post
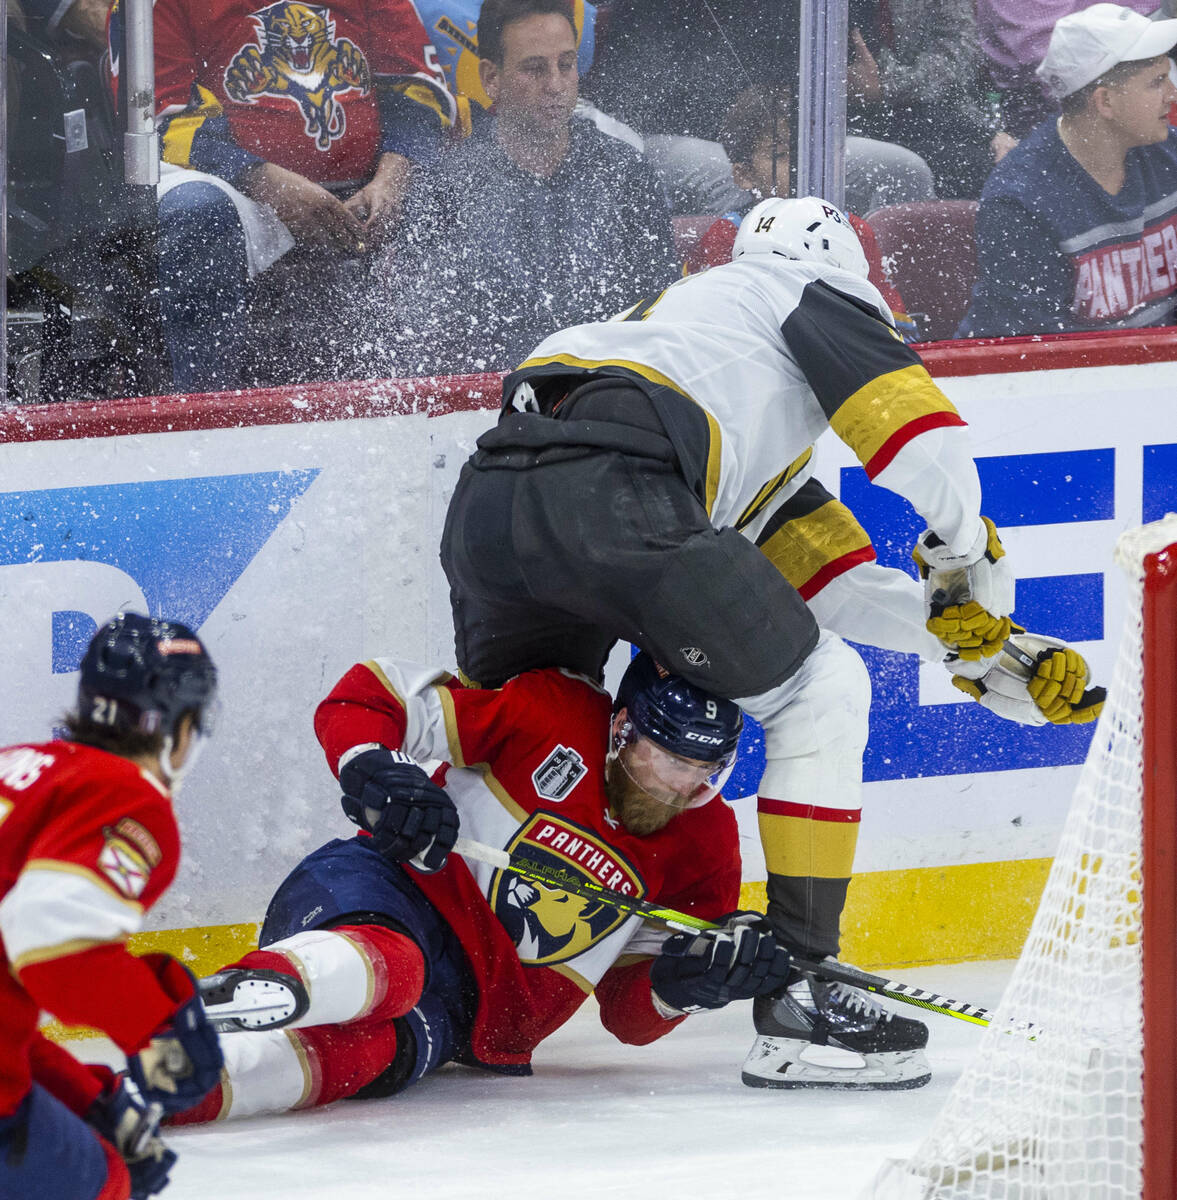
[1086, 1108]
[1159, 819]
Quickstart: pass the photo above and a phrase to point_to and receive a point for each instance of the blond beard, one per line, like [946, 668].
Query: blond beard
[638, 811]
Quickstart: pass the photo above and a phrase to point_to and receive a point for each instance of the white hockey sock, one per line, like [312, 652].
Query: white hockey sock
[265, 1071]
[337, 972]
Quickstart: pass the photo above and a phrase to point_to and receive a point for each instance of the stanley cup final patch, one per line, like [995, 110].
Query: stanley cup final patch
[547, 924]
[558, 774]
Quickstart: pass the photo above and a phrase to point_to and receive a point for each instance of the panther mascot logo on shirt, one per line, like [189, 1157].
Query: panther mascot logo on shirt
[298, 58]
[547, 924]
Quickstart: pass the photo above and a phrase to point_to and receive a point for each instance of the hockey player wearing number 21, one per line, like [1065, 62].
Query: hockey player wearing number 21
[385, 956]
[650, 478]
[88, 843]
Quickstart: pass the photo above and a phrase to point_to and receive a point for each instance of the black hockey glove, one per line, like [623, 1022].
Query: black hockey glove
[709, 969]
[132, 1128]
[182, 1062]
[409, 817]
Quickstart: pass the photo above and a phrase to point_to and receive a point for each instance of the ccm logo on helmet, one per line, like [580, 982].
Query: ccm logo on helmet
[706, 738]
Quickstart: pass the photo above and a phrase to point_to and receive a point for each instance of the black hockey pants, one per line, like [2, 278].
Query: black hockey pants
[565, 535]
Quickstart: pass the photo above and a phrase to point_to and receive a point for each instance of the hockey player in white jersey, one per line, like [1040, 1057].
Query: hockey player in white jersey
[649, 479]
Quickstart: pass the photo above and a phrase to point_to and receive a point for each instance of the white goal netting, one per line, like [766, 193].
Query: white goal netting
[1050, 1109]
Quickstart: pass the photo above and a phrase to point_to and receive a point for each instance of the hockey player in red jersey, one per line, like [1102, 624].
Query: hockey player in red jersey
[395, 956]
[88, 842]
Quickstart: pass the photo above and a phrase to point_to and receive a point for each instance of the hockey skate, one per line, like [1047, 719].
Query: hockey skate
[239, 999]
[818, 1034]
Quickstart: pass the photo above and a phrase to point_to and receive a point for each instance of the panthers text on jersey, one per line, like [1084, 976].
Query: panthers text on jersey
[525, 769]
[88, 842]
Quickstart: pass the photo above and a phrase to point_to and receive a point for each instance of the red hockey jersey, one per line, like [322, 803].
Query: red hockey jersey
[527, 775]
[88, 842]
[318, 89]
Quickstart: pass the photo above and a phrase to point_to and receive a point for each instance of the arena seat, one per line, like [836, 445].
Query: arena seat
[687, 232]
[930, 252]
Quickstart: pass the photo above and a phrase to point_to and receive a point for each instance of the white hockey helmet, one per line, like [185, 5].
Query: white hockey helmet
[808, 229]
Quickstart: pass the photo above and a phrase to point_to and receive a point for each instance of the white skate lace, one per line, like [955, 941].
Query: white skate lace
[856, 1000]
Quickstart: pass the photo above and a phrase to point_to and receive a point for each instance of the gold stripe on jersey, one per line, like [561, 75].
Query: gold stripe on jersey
[369, 973]
[501, 794]
[451, 727]
[378, 671]
[226, 1096]
[642, 309]
[627, 960]
[458, 759]
[803, 545]
[309, 1090]
[182, 129]
[61, 950]
[90, 874]
[572, 976]
[806, 848]
[880, 409]
[771, 488]
[650, 375]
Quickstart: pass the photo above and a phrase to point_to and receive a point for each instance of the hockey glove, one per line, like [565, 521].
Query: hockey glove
[713, 967]
[132, 1128]
[409, 817]
[968, 596]
[183, 1060]
[1034, 680]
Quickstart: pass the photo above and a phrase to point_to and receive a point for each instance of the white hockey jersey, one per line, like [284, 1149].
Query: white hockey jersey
[749, 362]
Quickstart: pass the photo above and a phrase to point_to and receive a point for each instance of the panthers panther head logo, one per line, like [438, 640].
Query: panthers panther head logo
[298, 34]
[298, 58]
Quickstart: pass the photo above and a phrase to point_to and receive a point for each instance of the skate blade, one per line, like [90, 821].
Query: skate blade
[772, 1066]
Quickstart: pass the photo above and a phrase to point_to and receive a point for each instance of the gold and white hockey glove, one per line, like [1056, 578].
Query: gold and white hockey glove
[968, 596]
[1033, 680]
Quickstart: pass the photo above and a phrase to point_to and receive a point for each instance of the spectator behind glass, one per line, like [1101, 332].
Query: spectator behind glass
[755, 136]
[536, 222]
[287, 126]
[1077, 228]
[915, 80]
[452, 27]
[662, 67]
[80, 22]
[1013, 37]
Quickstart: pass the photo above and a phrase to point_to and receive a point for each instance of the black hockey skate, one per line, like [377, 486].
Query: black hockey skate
[240, 999]
[818, 1034]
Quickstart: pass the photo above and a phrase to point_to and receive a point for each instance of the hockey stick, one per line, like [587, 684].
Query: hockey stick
[835, 972]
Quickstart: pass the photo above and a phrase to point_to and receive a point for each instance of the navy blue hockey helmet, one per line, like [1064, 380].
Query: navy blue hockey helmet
[143, 673]
[677, 715]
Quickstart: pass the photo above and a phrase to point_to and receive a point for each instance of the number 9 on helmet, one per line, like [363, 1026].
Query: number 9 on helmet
[683, 719]
[808, 229]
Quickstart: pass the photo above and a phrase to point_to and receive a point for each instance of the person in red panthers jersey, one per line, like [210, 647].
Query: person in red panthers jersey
[394, 956]
[284, 124]
[88, 843]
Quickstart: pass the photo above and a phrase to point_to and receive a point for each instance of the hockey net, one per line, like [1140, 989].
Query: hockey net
[1071, 1094]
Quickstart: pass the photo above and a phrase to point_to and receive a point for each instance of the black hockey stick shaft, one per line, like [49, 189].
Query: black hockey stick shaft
[835, 972]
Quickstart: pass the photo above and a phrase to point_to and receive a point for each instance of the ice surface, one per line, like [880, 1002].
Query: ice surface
[596, 1119]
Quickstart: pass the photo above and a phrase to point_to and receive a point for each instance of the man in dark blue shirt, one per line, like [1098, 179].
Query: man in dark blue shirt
[536, 222]
[1077, 227]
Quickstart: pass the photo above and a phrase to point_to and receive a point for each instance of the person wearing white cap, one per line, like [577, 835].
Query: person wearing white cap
[1077, 227]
